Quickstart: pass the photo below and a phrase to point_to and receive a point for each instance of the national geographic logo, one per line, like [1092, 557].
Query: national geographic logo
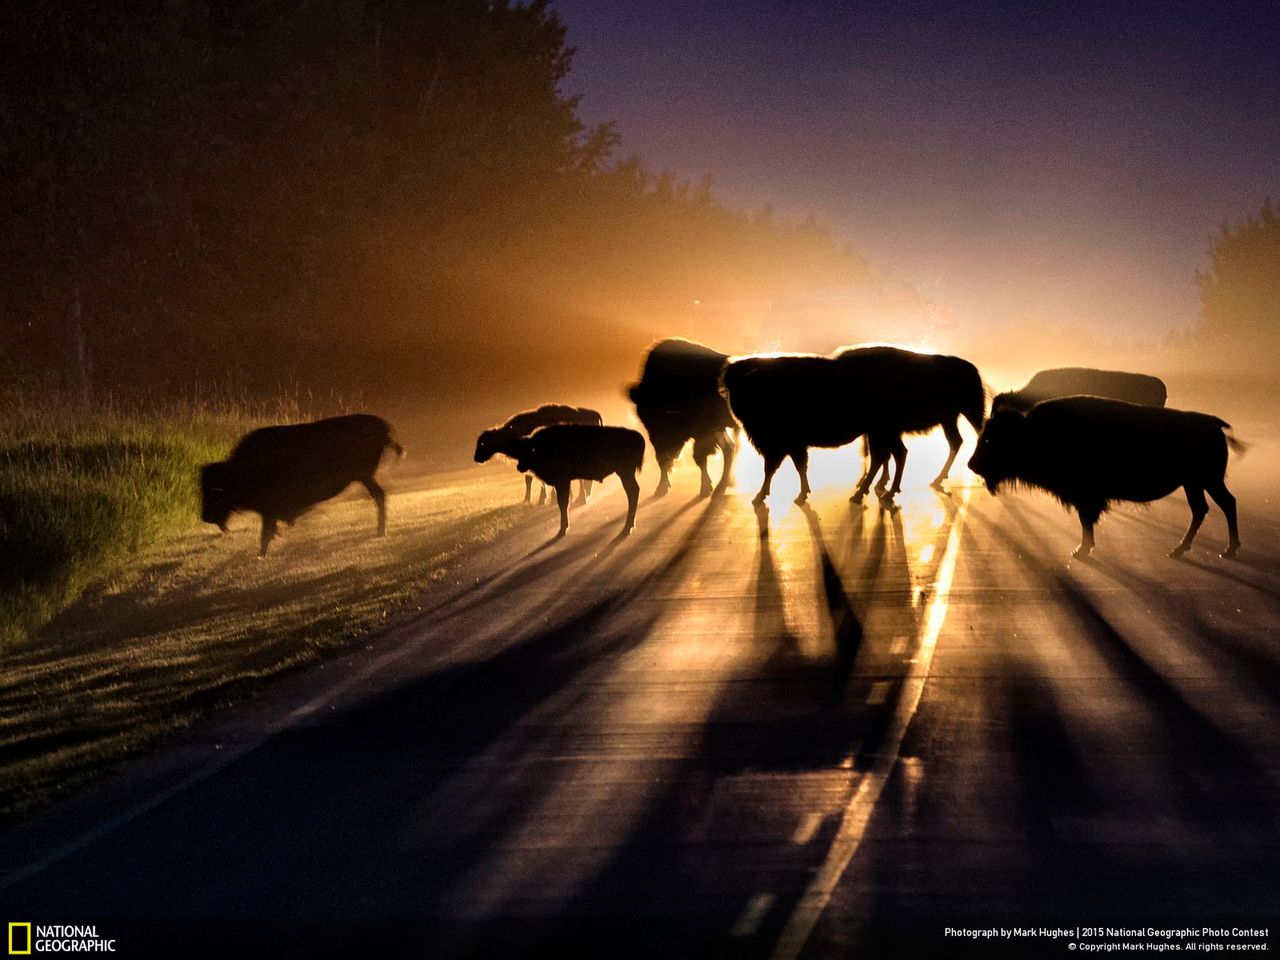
[19, 939]
[25, 939]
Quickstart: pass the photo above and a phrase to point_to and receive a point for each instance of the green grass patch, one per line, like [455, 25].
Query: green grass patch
[125, 619]
[80, 494]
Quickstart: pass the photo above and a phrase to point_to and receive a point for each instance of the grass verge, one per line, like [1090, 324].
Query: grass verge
[156, 637]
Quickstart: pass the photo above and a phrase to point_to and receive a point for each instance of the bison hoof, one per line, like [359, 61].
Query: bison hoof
[1177, 551]
[624, 533]
[856, 498]
[802, 500]
[1082, 552]
[1230, 552]
[758, 501]
[937, 485]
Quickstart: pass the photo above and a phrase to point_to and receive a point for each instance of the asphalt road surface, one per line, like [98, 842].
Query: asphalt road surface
[826, 732]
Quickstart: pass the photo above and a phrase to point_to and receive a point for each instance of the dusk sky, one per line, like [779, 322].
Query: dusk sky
[1062, 163]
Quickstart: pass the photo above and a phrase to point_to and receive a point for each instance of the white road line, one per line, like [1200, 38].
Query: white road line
[752, 915]
[853, 824]
[879, 693]
[806, 829]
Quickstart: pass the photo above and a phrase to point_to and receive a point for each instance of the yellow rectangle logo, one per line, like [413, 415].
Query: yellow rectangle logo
[14, 951]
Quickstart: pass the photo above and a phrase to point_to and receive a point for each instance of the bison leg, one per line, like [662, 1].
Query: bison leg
[582, 494]
[1223, 498]
[702, 448]
[632, 486]
[899, 453]
[877, 461]
[727, 449]
[542, 494]
[664, 476]
[380, 500]
[883, 481]
[1199, 509]
[269, 527]
[586, 490]
[528, 488]
[800, 458]
[772, 461]
[1088, 517]
[952, 432]
[563, 491]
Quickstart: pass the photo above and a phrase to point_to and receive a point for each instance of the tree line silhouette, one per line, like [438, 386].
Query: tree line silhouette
[350, 193]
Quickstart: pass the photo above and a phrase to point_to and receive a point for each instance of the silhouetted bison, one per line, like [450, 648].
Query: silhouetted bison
[789, 403]
[920, 391]
[1090, 451]
[678, 399]
[558, 455]
[1084, 381]
[498, 439]
[281, 472]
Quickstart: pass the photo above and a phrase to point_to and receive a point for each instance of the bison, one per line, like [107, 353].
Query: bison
[922, 391]
[498, 439]
[282, 472]
[1138, 388]
[788, 403]
[559, 454]
[1089, 452]
[678, 399]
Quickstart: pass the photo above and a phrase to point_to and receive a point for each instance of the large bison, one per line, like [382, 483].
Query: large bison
[789, 403]
[282, 472]
[499, 439]
[678, 399]
[559, 454]
[922, 391]
[1090, 451]
[1139, 388]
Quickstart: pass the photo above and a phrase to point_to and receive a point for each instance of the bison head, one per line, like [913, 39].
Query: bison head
[216, 501]
[999, 448]
[486, 445]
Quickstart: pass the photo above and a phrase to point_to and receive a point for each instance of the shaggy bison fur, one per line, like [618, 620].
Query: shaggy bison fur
[1090, 452]
[281, 472]
[789, 403]
[498, 439]
[559, 454]
[678, 399]
[1139, 388]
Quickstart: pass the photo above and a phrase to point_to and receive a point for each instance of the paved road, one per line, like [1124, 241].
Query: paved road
[815, 733]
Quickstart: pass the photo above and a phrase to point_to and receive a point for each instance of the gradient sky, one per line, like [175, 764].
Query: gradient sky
[1059, 163]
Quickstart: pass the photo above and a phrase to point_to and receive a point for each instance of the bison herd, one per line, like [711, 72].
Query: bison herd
[1087, 437]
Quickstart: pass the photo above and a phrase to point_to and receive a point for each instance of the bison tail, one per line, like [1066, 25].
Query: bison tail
[1238, 447]
[399, 450]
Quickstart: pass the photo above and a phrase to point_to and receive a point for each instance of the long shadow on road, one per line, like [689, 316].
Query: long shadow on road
[670, 886]
[288, 830]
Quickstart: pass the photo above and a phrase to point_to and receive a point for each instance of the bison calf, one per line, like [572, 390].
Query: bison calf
[498, 439]
[281, 472]
[1090, 452]
[558, 455]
